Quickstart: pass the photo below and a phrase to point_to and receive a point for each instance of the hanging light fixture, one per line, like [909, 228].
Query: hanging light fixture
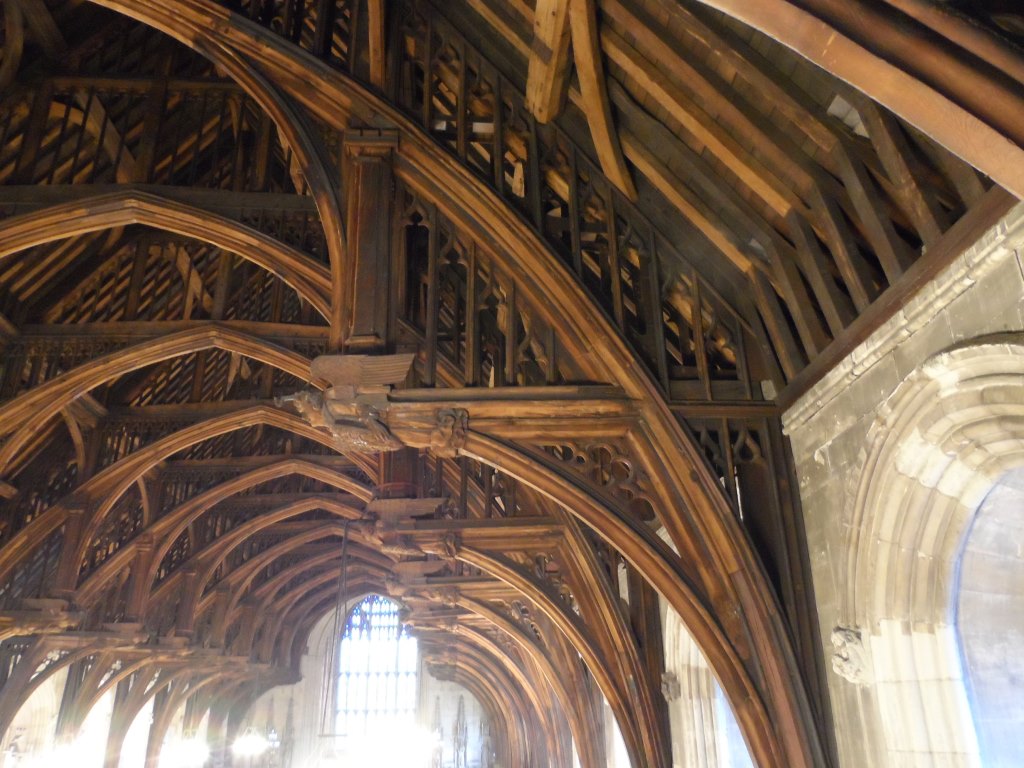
[186, 752]
[250, 744]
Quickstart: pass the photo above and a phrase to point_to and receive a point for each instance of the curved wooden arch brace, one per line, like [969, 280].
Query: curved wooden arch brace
[96, 496]
[966, 108]
[71, 717]
[292, 126]
[94, 698]
[120, 209]
[307, 148]
[371, 565]
[661, 567]
[161, 724]
[130, 469]
[786, 737]
[580, 723]
[364, 556]
[333, 98]
[273, 616]
[173, 524]
[732, 572]
[268, 592]
[521, 745]
[577, 633]
[498, 717]
[12, 701]
[238, 580]
[298, 619]
[304, 615]
[132, 707]
[487, 654]
[224, 545]
[58, 393]
[601, 605]
[204, 563]
[290, 123]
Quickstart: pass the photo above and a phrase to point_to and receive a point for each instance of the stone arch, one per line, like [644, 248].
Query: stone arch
[699, 719]
[939, 444]
[989, 604]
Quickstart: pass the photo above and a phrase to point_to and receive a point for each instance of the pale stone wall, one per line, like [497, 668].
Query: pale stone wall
[441, 698]
[702, 726]
[889, 486]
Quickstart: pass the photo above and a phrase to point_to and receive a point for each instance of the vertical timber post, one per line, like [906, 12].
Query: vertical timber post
[369, 194]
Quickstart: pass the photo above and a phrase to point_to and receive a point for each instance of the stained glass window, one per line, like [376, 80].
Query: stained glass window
[377, 672]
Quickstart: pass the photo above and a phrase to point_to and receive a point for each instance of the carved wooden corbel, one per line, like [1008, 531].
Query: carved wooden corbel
[449, 434]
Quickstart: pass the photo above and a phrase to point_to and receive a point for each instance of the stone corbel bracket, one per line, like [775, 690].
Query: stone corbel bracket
[850, 657]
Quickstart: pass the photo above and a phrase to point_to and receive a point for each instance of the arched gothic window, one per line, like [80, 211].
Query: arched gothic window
[990, 621]
[378, 664]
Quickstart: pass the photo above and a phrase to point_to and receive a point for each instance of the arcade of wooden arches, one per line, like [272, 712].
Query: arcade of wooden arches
[596, 252]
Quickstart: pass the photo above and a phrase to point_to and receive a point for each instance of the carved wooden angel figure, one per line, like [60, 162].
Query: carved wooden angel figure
[351, 409]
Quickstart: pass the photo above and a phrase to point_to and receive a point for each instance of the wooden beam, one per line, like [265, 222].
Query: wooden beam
[808, 326]
[996, 203]
[916, 197]
[586, 45]
[892, 251]
[679, 195]
[775, 191]
[835, 305]
[377, 48]
[14, 43]
[931, 84]
[547, 78]
[22, 198]
[42, 27]
[786, 347]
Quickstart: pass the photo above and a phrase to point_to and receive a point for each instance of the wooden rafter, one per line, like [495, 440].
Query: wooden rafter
[594, 89]
[547, 80]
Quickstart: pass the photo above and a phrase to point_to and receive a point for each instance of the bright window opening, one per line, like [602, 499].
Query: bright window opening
[377, 692]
